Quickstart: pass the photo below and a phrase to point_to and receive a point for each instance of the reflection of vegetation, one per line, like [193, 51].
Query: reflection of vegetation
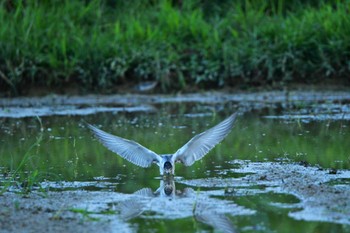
[269, 216]
[315, 142]
[100, 43]
[71, 153]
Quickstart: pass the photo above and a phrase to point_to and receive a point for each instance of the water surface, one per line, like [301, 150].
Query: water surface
[241, 196]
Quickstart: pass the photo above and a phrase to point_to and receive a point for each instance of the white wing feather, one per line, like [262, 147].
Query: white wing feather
[209, 216]
[127, 149]
[202, 143]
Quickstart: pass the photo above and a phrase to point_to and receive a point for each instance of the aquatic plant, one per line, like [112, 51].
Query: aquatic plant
[24, 181]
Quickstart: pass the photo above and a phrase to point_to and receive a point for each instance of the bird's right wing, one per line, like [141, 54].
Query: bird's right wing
[209, 216]
[127, 149]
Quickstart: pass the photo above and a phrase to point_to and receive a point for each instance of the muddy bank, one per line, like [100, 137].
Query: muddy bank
[322, 195]
[91, 104]
[52, 213]
[207, 97]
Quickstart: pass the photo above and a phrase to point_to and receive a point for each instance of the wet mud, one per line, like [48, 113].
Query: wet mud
[329, 104]
[321, 195]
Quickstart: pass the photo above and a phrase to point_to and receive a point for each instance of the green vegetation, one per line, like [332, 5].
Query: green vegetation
[20, 177]
[99, 44]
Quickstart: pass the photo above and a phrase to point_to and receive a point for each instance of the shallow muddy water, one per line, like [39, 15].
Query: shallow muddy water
[283, 168]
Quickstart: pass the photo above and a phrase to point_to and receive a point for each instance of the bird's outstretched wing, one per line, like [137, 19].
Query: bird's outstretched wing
[203, 213]
[202, 143]
[127, 149]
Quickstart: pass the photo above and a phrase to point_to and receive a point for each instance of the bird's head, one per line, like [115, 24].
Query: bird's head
[168, 168]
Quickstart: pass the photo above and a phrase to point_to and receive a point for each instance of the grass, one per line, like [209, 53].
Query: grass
[20, 178]
[100, 44]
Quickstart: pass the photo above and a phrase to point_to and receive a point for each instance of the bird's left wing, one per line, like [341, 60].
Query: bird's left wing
[127, 149]
[202, 143]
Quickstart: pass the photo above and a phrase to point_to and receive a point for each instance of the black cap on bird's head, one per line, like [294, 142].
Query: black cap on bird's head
[168, 167]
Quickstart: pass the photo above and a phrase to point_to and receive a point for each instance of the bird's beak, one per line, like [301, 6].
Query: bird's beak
[168, 174]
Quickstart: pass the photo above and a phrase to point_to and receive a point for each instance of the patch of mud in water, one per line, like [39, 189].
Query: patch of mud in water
[308, 118]
[319, 200]
[58, 212]
[114, 209]
[64, 186]
[320, 112]
[209, 97]
[197, 115]
[66, 110]
[78, 186]
[90, 104]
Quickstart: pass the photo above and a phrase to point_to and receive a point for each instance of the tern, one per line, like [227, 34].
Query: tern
[195, 149]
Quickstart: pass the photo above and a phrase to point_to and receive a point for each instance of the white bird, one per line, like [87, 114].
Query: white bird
[193, 150]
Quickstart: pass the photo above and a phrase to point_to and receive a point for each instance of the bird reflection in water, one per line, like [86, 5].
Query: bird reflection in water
[145, 199]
